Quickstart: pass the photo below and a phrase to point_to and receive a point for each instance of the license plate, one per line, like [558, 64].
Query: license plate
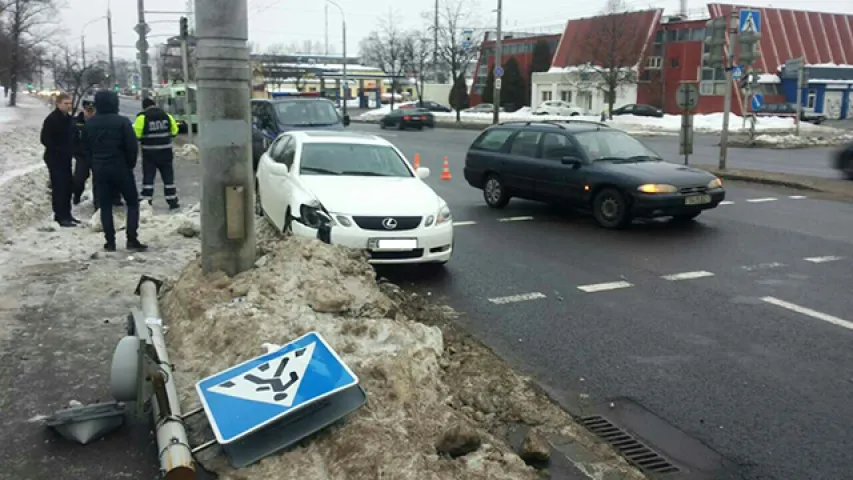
[697, 200]
[392, 243]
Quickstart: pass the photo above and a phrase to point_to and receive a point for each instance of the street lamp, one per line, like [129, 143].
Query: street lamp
[344, 33]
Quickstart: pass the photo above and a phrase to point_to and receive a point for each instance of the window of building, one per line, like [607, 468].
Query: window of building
[682, 35]
[673, 62]
[657, 50]
[659, 36]
[671, 36]
[546, 95]
[566, 96]
[697, 34]
[812, 98]
[646, 76]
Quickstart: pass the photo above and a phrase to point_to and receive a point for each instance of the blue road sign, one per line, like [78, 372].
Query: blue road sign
[250, 396]
[750, 21]
[499, 71]
[737, 72]
[756, 102]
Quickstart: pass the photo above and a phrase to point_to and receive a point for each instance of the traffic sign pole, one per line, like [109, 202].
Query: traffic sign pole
[799, 96]
[734, 25]
[687, 98]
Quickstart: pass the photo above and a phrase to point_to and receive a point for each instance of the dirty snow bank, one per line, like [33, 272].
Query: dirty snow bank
[24, 196]
[793, 141]
[439, 403]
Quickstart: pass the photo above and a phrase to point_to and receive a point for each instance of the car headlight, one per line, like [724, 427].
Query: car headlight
[442, 217]
[657, 188]
[715, 183]
[315, 216]
[344, 221]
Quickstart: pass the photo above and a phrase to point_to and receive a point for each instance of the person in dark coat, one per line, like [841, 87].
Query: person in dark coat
[82, 167]
[112, 148]
[57, 136]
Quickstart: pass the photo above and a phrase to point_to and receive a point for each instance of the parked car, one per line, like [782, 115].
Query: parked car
[356, 190]
[482, 108]
[272, 117]
[589, 166]
[790, 110]
[638, 110]
[844, 161]
[557, 107]
[407, 118]
[428, 105]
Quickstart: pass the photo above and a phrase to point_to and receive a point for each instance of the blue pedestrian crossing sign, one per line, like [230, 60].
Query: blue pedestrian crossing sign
[750, 21]
[737, 72]
[756, 102]
[499, 72]
[257, 393]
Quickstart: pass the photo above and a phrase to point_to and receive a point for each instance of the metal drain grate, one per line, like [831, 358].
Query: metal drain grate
[632, 449]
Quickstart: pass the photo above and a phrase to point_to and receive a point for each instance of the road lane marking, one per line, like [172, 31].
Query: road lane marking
[514, 219]
[797, 197]
[761, 200]
[763, 266]
[602, 287]
[688, 275]
[809, 312]
[462, 224]
[517, 298]
[830, 258]
[727, 202]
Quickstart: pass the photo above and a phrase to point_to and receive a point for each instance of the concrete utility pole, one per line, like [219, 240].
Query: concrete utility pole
[344, 33]
[326, 29]
[435, 45]
[223, 77]
[110, 43]
[142, 45]
[496, 113]
[727, 100]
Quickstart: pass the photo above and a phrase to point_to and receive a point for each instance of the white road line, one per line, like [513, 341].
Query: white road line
[797, 197]
[517, 298]
[761, 200]
[830, 258]
[601, 287]
[763, 266]
[514, 219]
[462, 224]
[727, 202]
[809, 312]
[687, 275]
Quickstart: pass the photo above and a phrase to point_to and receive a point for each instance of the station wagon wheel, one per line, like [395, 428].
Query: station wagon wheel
[610, 209]
[494, 192]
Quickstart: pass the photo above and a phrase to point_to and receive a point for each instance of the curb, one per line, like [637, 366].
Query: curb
[835, 187]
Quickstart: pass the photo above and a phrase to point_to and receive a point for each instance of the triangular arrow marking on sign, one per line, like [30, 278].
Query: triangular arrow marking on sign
[275, 382]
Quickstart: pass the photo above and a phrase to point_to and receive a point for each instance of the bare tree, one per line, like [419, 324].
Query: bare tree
[418, 59]
[27, 22]
[452, 50]
[612, 49]
[75, 77]
[386, 50]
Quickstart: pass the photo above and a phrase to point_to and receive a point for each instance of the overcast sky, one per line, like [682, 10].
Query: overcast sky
[289, 21]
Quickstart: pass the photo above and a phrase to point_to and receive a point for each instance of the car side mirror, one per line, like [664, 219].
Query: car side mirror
[423, 172]
[278, 169]
[569, 160]
[346, 120]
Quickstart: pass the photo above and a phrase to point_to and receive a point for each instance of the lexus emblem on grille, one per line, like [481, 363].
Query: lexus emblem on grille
[389, 223]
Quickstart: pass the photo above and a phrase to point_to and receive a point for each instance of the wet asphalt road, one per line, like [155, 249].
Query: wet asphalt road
[736, 329]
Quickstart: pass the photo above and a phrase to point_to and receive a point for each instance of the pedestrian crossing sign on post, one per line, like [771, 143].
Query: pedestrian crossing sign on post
[272, 401]
[750, 21]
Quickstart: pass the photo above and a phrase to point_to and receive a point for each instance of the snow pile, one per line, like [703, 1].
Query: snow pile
[791, 140]
[708, 123]
[188, 151]
[427, 416]
[23, 181]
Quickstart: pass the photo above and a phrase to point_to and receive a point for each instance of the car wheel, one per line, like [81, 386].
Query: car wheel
[420, 127]
[401, 126]
[686, 217]
[574, 114]
[382, 124]
[287, 231]
[611, 209]
[847, 167]
[494, 192]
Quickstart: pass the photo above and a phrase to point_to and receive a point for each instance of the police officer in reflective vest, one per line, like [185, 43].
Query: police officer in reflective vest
[155, 129]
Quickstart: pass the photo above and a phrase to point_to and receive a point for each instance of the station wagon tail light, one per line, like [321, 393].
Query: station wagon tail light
[657, 188]
[715, 183]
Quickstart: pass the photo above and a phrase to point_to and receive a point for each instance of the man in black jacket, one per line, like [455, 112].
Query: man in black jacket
[82, 167]
[57, 136]
[111, 147]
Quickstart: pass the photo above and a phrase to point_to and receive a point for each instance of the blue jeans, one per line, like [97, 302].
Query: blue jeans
[113, 181]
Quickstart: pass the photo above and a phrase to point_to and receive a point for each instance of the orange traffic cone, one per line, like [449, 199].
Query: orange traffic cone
[417, 160]
[445, 172]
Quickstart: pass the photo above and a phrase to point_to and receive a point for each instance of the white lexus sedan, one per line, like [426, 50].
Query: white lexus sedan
[354, 190]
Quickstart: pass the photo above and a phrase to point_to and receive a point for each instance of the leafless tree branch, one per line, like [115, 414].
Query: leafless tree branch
[385, 49]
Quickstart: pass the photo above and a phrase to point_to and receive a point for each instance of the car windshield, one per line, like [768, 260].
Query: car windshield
[307, 113]
[613, 145]
[356, 159]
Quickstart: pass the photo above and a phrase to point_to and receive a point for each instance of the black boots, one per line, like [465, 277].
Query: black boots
[135, 245]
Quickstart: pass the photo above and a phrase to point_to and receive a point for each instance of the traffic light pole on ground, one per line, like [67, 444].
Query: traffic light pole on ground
[223, 77]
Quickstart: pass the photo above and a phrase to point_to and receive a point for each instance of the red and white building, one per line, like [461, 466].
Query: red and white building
[666, 51]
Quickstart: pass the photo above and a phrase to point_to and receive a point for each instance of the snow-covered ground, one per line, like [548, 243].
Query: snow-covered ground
[669, 124]
[790, 140]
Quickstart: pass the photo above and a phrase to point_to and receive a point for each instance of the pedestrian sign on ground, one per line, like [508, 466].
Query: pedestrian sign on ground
[750, 21]
[296, 390]
[499, 72]
[756, 102]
